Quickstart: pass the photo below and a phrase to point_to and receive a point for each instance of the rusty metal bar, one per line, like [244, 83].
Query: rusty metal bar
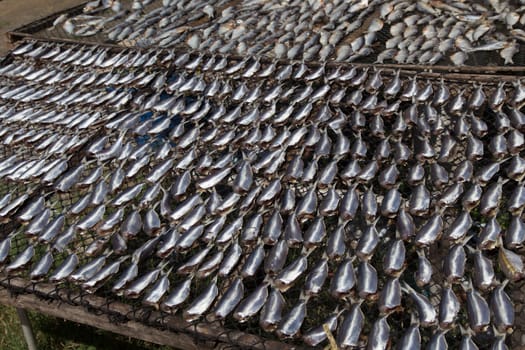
[26, 328]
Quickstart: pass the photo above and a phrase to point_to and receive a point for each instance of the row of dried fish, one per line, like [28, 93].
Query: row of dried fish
[500, 146]
[343, 281]
[154, 286]
[85, 56]
[480, 193]
[193, 208]
[508, 142]
[365, 92]
[425, 33]
[202, 109]
[149, 279]
[414, 220]
[268, 147]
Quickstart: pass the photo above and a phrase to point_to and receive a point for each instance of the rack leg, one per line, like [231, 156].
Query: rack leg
[26, 328]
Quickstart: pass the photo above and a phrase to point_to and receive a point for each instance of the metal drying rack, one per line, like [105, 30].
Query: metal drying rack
[155, 326]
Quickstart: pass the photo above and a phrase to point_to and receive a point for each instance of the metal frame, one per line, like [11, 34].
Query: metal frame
[26, 328]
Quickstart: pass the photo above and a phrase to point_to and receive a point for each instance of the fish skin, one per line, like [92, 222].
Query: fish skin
[511, 264]
[489, 234]
[307, 205]
[388, 177]
[232, 257]
[159, 171]
[292, 322]
[65, 269]
[478, 311]
[92, 219]
[271, 313]
[438, 340]
[185, 207]
[475, 148]
[252, 229]
[14, 204]
[316, 278]
[424, 272]
[411, 338]
[316, 335]
[52, 229]
[88, 270]
[64, 239]
[201, 303]
[137, 287]
[253, 261]
[459, 228]
[150, 195]
[464, 171]
[21, 260]
[288, 202]
[157, 292]
[178, 295]
[132, 225]
[515, 168]
[349, 205]
[369, 206]
[276, 258]
[152, 224]
[39, 223]
[128, 195]
[91, 178]
[231, 231]
[315, 233]
[32, 209]
[490, 199]
[430, 231]
[367, 281]
[350, 329]
[502, 308]
[286, 278]
[244, 179]
[514, 235]
[391, 203]
[394, 259]
[99, 193]
[230, 299]
[415, 178]
[251, 304]
[335, 246]
[145, 250]
[449, 307]
[105, 273]
[343, 280]
[367, 243]
[211, 265]
[484, 276]
[116, 180]
[426, 313]
[5, 246]
[472, 197]
[379, 335]
[516, 202]
[390, 296]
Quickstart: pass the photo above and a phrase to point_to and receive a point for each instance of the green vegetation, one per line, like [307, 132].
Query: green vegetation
[57, 334]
